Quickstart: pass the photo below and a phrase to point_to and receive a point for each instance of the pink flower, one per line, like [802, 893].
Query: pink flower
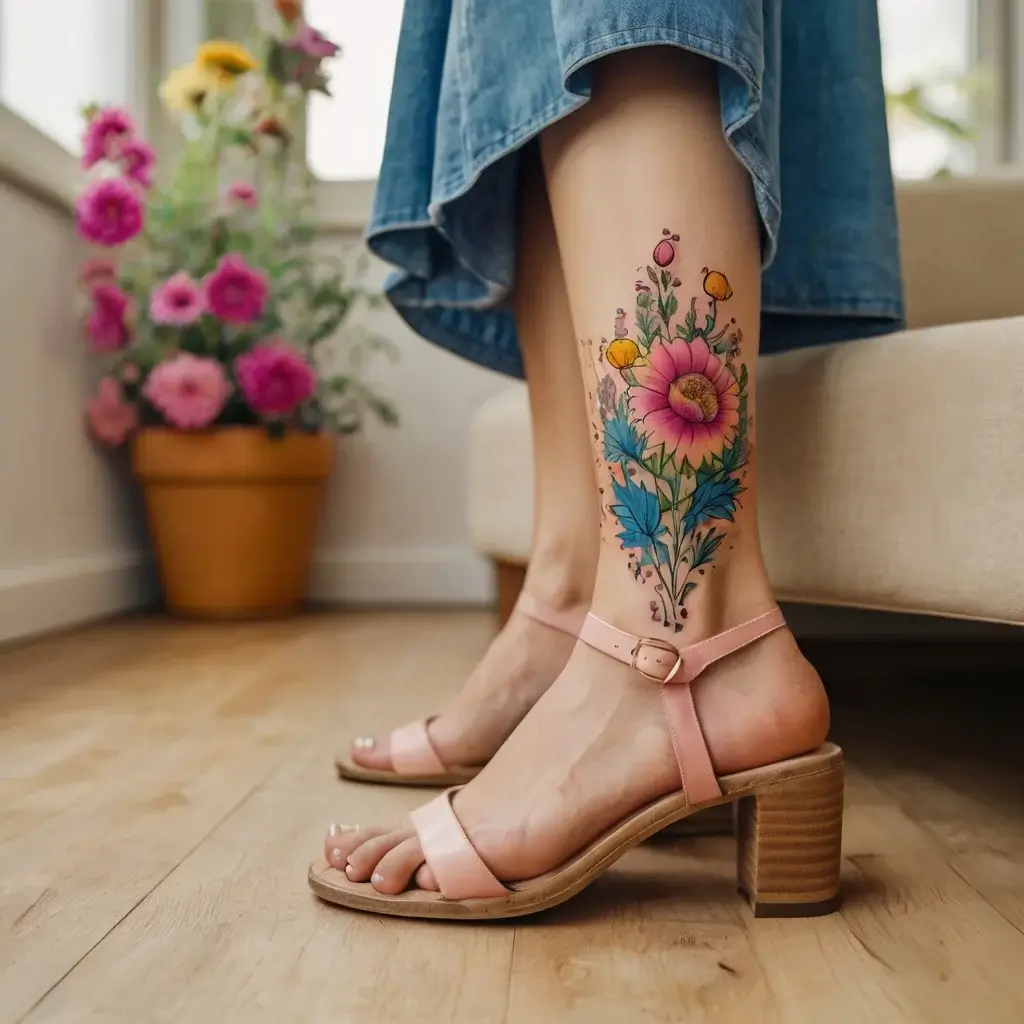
[178, 301]
[107, 324]
[243, 194]
[95, 272]
[275, 379]
[189, 391]
[236, 292]
[106, 135]
[109, 212]
[687, 399]
[111, 419]
[313, 43]
[138, 159]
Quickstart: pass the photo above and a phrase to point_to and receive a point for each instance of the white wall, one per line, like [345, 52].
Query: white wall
[395, 529]
[70, 542]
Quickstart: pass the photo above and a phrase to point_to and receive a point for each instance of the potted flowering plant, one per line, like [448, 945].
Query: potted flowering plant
[214, 317]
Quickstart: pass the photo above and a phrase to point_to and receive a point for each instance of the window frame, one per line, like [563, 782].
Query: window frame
[38, 164]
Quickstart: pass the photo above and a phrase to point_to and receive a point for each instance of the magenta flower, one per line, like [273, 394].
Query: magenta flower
[241, 193]
[110, 418]
[236, 292]
[313, 43]
[138, 159]
[107, 325]
[106, 135]
[687, 399]
[95, 272]
[189, 391]
[109, 212]
[275, 379]
[177, 302]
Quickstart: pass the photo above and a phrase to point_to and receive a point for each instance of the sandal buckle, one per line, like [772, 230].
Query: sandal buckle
[661, 645]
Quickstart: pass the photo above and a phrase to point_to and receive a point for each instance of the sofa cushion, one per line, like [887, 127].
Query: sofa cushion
[891, 472]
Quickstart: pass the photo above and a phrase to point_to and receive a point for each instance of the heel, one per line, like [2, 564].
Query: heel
[789, 846]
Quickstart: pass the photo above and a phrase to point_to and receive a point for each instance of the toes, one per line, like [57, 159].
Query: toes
[425, 879]
[371, 752]
[363, 861]
[343, 839]
[395, 870]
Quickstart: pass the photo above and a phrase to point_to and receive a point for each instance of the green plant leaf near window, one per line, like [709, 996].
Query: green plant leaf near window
[922, 103]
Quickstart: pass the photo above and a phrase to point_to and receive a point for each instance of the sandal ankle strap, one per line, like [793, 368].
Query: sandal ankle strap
[675, 668]
[664, 663]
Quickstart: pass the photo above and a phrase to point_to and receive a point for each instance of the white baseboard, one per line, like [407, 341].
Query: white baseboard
[40, 598]
[452, 575]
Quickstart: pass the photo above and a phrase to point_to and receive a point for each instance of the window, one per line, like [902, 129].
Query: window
[58, 55]
[948, 68]
[926, 59]
[346, 130]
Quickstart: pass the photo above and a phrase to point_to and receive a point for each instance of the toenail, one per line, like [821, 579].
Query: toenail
[364, 743]
[333, 830]
[377, 878]
[348, 870]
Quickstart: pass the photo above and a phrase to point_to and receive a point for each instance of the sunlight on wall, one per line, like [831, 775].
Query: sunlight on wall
[58, 55]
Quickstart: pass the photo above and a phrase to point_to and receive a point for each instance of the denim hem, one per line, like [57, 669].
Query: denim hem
[835, 305]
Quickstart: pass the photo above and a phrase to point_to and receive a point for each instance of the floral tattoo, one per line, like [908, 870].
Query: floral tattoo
[673, 415]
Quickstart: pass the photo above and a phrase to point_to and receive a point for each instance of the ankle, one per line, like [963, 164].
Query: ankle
[561, 583]
[725, 597]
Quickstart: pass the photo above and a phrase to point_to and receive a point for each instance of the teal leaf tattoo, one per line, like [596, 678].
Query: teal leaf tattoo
[661, 549]
[713, 499]
[622, 441]
[639, 515]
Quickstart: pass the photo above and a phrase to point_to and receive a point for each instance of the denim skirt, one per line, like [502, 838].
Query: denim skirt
[802, 107]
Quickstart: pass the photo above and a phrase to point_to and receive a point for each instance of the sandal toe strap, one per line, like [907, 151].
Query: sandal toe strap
[412, 753]
[458, 869]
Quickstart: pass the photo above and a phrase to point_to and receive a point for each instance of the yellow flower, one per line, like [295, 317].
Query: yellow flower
[716, 285]
[184, 89]
[224, 58]
[622, 353]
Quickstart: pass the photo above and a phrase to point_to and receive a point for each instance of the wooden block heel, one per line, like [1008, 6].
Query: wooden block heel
[789, 846]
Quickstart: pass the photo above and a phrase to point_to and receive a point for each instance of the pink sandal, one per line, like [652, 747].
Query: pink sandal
[790, 813]
[414, 761]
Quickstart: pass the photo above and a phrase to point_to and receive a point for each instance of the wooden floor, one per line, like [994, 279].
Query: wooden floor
[163, 787]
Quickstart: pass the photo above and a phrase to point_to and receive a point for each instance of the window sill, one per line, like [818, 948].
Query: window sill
[344, 207]
[35, 164]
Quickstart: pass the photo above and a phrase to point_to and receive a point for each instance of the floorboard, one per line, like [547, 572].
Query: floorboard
[163, 786]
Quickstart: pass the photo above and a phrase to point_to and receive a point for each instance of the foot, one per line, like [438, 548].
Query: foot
[595, 748]
[519, 666]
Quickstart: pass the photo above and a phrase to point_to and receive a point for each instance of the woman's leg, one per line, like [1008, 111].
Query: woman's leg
[646, 155]
[525, 657]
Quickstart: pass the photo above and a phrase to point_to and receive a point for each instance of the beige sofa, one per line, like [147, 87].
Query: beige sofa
[892, 469]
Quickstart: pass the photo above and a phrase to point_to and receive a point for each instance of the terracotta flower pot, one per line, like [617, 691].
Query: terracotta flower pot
[232, 516]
